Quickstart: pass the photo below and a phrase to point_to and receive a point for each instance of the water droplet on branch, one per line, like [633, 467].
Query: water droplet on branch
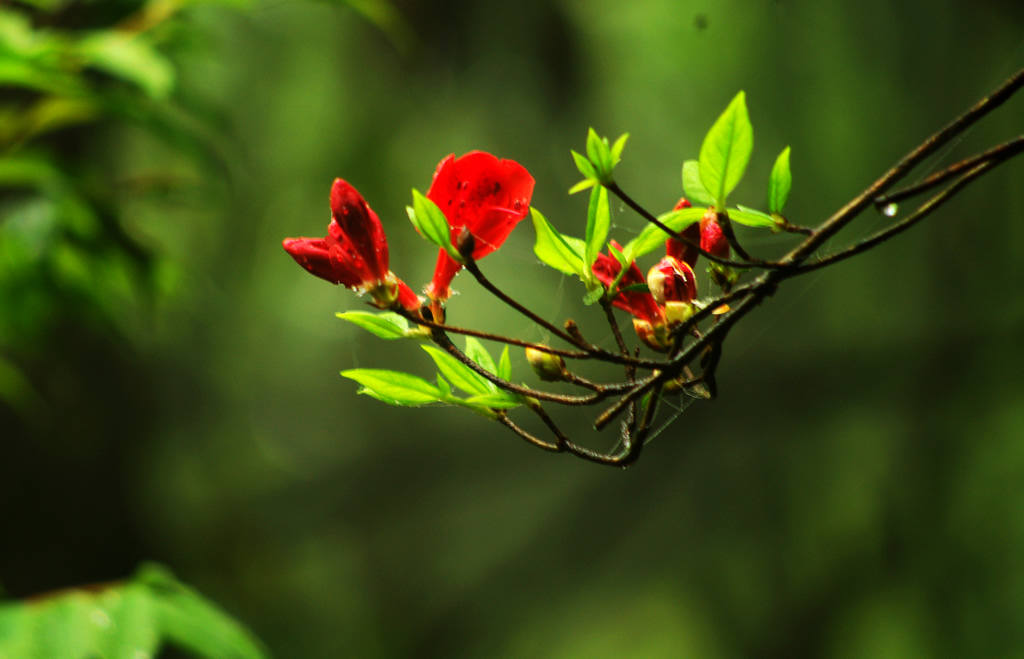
[890, 210]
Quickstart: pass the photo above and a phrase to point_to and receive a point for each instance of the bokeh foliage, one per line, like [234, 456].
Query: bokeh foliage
[170, 378]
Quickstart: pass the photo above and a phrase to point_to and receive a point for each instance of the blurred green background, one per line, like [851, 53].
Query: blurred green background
[169, 383]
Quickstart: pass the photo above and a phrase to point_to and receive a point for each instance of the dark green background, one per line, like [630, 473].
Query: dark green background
[856, 490]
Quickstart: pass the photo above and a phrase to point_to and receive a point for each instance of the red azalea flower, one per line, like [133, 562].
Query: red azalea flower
[482, 194]
[640, 304]
[354, 252]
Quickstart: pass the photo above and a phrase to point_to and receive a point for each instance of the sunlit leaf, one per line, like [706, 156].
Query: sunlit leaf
[726, 150]
[386, 325]
[693, 187]
[652, 237]
[598, 223]
[457, 373]
[431, 223]
[130, 57]
[752, 217]
[779, 183]
[394, 387]
[563, 253]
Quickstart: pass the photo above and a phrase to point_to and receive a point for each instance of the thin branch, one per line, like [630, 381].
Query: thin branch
[996, 153]
[844, 215]
[532, 439]
[926, 209]
[442, 340]
[647, 215]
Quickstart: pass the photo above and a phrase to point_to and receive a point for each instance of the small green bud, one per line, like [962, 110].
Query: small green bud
[548, 367]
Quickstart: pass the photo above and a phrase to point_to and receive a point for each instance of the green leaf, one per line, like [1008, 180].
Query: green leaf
[617, 148]
[431, 223]
[563, 253]
[394, 387]
[476, 351]
[583, 185]
[505, 365]
[693, 187]
[584, 165]
[752, 218]
[598, 153]
[386, 325]
[499, 401]
[129, 57]
[598, 222]
[192, 622]
[779, 182]
[444, 388]
[652, 237]
[134, 618]
[458, 373]
[726, 150]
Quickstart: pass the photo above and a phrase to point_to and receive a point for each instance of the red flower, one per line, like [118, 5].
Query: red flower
[482, 194]
[354, 252]
[640, 304]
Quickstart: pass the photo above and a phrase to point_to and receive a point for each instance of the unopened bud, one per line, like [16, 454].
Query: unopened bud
[712, 239]
[671, 281]
[655, 336]
[548, 367]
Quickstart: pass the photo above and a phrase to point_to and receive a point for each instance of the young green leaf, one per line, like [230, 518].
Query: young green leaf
[505, 365]
[617, 148]
[652, 237]
[394, 387]
[563, 253]
[458, 373]
[500, 400]
[598, 222]
[583, 185]
[779, 183]
[431, 223]
[752, 218]
[476, 351]
[584, 165]
[444, 388]
[386, 325]
[726, 150]
[693, 187]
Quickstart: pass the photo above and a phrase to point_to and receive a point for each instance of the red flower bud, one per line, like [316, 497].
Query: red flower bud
[482, 194]
[638, 303]
[354, 252]
[680, 250]
[712, 240]
[671, 281]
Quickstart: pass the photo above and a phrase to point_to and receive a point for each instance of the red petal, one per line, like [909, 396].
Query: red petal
[444, 272]
[356, 220]
[487, 195]
[314, 254]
